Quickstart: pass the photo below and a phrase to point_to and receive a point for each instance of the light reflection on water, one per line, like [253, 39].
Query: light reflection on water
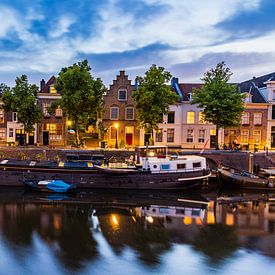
[168, 233]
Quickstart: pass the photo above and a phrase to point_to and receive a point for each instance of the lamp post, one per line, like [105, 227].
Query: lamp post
[116, 126]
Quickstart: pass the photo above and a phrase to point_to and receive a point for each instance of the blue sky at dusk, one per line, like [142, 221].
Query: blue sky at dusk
[40, 37]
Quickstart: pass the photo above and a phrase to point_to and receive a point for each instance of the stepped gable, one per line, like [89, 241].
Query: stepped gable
[46, 88]
[253, 85]
[186, 88]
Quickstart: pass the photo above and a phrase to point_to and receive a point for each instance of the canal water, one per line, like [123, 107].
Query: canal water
[137, 233]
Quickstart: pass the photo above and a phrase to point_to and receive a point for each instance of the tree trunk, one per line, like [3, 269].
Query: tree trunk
[77, 139]
[217, 138]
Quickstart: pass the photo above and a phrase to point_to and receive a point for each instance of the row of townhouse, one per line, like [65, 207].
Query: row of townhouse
[184, 126]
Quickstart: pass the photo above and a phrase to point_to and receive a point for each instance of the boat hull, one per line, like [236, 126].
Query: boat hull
[97, 179]
[230, 178]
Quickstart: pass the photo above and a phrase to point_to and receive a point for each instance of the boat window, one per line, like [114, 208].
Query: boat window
[195, 212]
[181, 165]
[155, 166]
[165, 166]
[196, 164]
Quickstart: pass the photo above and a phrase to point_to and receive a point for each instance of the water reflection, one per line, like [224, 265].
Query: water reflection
[150, 226]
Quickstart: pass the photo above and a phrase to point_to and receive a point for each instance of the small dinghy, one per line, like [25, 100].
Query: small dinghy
[53, 186]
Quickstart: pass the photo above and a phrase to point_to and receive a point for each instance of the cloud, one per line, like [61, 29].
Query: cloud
[62, 26]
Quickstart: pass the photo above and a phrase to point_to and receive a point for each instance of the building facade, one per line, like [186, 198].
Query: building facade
[120, 114]
[52, 129]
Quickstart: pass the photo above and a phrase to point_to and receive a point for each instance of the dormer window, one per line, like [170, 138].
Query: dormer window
[122, 95]
[52, 89]
[248, 98]
[189, 96]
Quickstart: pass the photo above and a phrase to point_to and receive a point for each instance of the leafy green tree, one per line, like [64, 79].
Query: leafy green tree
[22, 99]
[81, 95]
[153, 97]
[221, 102]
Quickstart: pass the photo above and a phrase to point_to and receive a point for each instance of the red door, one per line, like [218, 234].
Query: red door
[129, 139]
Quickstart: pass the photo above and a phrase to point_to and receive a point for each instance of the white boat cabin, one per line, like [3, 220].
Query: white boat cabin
[156, 160]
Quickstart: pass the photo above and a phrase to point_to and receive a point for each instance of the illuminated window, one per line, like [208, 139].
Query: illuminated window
[129, 113]
[201, 136]
[114, 113]
[55, 131]
[244, 136]
[159, 135]
[52, 89]
[245, 118]
[122, 95]
[190, 135]
[170, 135]
[190, 117]
[58, 112]
[257, 136]
[45, 107]
[212, 132]
[113, 133]
[257, 118]
[2, 133]
[201, 118]
[1, 116]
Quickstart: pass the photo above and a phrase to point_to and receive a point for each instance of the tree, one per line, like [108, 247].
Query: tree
[221, 102]
[81, 95]
[22, 99]
[153, 97]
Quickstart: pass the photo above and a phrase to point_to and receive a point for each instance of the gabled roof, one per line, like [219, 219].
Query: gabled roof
[253, 85]
[45, 88]
[186, 88]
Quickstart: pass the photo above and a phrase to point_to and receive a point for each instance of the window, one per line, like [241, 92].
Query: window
[52, 89]
[201, 118]
[196, 164]
[212, 132]
[55, 131]
[1, 116]
[14, 117]
[189, 96]
[129, 113]
[159, 135]
[273, 111]
[257, 136]
[190, 135]
[245, 118]
[170, 135]
[257, 118]
[45, 107]
[171, 117]
[58, 112]
[122, 95]
[114, 113]
[181, 166]
[190, 117]
[273, 93]
[113, 133]
[165, 166]
[244, 136]
[2, 133]
[201, 136]
[10, 132]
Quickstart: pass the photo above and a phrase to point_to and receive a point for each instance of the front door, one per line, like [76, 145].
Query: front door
[129, 139]
[272, 140]
[147, 138]
[31, 139]
[20, 137]
[45, 138]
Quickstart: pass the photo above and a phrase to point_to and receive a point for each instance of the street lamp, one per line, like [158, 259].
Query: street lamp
[116, 126]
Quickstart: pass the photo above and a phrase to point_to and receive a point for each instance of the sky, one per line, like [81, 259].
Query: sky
[38, 38]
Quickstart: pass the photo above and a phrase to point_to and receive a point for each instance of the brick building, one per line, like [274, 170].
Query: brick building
[119, 115]
[52, 129]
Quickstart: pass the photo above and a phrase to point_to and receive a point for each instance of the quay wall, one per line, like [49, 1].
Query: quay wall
[234, 159]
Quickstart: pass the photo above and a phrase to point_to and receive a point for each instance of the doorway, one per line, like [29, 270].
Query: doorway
[272, 137]
[129, 135]
[45, 138]
[20, 137]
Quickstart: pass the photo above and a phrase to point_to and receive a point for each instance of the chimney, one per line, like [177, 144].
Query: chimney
[42, 84]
